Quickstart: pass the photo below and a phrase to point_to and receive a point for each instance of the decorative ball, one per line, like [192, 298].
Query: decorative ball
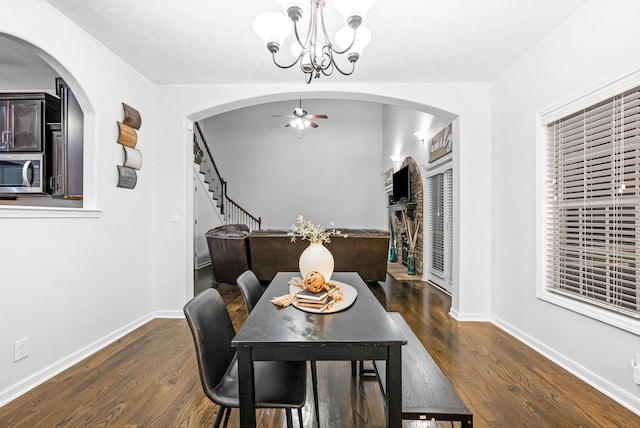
[314, 282]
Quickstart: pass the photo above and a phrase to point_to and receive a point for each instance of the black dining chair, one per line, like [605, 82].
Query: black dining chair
[251, 291]
[278, 384]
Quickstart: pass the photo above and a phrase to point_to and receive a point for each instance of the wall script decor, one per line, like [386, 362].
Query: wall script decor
[440, 144]
[128, 138]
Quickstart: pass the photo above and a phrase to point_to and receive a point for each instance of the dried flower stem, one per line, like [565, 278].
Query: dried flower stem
[316, 234]
[412, 234]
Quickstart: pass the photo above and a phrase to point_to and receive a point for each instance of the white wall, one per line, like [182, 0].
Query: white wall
[73, 278]
[329, 174]
[598, 41]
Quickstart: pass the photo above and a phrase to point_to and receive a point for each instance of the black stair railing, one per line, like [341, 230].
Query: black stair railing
[232, 212]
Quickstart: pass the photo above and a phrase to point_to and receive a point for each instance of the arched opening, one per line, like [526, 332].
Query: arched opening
[39, 103]
[402, 119]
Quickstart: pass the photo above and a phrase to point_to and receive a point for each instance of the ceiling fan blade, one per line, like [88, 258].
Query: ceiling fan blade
[284, 115]
[313, 125]
[317, 116]
[287, 125]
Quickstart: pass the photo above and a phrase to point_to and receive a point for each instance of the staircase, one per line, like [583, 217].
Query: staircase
[232, 213]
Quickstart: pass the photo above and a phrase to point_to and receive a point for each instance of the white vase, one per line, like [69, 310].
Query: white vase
[316, 257]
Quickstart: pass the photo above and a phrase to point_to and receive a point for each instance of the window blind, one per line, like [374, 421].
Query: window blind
[448, 207]
[593, 194]
[436, 224]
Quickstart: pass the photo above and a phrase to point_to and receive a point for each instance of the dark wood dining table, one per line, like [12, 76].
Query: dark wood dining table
[363, 331]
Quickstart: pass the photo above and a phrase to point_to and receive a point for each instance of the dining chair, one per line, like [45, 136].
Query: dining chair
[251, 291]
[278, 384]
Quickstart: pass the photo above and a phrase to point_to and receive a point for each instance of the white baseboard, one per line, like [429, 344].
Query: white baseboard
[607, 388]
[41, 376]
[469, 317]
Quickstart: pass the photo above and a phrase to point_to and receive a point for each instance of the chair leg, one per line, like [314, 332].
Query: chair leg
[216, 423]
[300, 417]
[226, 418]
[289, 418]
[314, 381]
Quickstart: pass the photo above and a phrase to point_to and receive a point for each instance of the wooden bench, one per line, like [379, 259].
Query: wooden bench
[426, 392]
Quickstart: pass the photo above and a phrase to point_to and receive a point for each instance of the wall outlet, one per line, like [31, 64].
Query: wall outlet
[20, 349]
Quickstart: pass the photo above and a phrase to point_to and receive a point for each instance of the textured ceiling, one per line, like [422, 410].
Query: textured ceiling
[22, 69]
[212, 41]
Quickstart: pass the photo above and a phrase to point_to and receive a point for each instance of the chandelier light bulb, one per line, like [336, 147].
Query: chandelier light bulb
[272, 28]
[296, 49]
[345, 36]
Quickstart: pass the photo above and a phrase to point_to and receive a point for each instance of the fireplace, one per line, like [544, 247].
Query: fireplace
[404, 248]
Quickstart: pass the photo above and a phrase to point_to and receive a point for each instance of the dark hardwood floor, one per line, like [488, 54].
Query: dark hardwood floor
[149, 378]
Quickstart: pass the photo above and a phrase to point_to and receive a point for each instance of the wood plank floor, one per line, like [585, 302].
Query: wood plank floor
[149, 378]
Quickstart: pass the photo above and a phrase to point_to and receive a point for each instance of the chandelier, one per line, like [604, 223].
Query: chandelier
[314, 56]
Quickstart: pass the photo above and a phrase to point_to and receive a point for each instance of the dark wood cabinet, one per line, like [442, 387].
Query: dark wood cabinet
[22, 120]
[56, 162]
[65, 148]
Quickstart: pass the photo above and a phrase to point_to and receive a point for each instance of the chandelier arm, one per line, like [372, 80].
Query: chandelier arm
[297, 34]
[327, 39]
[328, 65]
[353, 41]
[353, 67]
[273, 55]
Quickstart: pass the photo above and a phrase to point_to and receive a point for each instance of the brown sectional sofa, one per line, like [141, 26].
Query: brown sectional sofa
[266, 252]
[363, 251]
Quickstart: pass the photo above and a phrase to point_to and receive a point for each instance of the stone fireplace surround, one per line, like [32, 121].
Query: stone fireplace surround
[414, 210]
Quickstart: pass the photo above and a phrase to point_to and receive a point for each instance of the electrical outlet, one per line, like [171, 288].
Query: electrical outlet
[20, 349]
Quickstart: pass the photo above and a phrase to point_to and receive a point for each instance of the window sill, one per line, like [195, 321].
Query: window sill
[623, 322]
[47, 212]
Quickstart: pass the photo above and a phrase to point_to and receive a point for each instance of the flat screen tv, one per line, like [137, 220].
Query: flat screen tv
[402, 185]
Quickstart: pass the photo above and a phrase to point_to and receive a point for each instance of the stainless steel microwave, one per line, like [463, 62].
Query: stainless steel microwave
[21, 173]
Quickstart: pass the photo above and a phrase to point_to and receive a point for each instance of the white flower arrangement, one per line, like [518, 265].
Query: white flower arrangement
[314, 233]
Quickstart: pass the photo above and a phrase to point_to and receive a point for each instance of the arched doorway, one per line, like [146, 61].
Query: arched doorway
[408, 142]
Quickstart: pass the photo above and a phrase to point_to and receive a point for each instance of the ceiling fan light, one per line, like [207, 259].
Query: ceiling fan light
[271, 27]
[299, 123]
[349, 8]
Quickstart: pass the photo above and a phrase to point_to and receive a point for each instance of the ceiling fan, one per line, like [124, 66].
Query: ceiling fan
[300, 119]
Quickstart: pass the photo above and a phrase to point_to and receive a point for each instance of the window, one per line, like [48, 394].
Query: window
[440, 228]
[592, 215]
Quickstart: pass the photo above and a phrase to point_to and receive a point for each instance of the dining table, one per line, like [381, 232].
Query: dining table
[358, 328]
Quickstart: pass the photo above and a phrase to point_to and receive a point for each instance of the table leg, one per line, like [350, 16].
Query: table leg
[246, 388]
[394, 386]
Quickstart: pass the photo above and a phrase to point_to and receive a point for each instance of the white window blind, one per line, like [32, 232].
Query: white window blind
[593, 194]
[448, 229]
[436, 224]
